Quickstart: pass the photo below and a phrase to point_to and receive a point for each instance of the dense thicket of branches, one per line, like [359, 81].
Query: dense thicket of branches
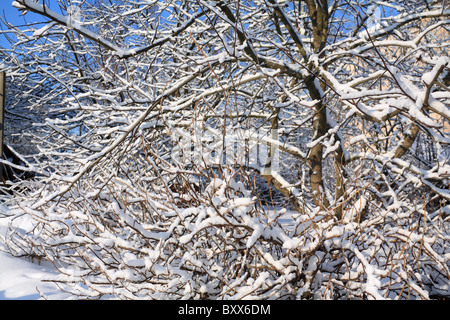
[235, 149]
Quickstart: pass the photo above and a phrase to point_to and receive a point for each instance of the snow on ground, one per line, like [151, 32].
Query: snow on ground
[21, 279]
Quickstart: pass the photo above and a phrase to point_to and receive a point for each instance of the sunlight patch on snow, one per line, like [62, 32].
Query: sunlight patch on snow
[21, 279]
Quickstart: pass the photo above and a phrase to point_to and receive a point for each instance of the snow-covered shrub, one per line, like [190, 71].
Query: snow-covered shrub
[134, 237]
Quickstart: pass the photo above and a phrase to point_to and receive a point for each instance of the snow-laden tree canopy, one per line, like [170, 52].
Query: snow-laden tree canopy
[234, 149]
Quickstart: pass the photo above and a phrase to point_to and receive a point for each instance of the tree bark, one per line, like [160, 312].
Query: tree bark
[319, 126]
[318, 13]
[2, 117]
[407, 142]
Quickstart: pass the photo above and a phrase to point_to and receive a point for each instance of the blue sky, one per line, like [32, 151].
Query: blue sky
[13, 16]
[8, 11]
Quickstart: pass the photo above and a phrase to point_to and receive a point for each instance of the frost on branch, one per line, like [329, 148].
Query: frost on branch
[184, 150]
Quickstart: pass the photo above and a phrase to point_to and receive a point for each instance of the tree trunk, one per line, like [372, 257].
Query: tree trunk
[319, 126]
[318, 13]
[2, 116]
